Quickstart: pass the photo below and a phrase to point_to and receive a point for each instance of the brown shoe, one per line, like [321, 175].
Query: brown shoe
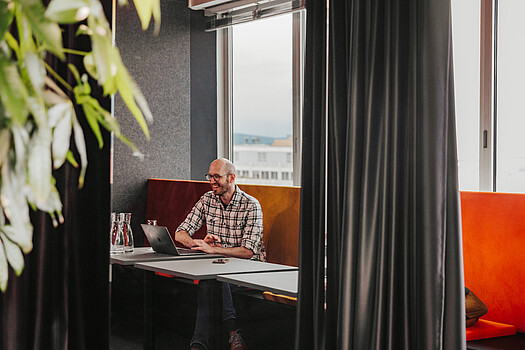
[236, 341]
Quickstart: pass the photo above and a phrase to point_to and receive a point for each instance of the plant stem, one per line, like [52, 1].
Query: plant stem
[57, 77]
[75, 52]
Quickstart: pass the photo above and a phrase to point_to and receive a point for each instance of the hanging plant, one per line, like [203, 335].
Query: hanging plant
[38, 119]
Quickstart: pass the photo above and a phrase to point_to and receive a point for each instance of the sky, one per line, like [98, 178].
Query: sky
[262, 77]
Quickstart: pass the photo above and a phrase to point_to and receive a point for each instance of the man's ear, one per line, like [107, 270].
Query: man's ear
[232, 178]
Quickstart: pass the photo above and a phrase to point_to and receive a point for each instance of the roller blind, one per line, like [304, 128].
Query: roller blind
[223, 13]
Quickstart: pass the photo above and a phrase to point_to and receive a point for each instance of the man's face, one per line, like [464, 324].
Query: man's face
[221, 186]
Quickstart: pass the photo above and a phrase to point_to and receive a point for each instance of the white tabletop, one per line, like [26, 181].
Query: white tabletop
[143, 254]
[201, 269]
[279, 282]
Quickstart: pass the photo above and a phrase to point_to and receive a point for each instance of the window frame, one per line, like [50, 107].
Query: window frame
[488, 142]
[225, 91]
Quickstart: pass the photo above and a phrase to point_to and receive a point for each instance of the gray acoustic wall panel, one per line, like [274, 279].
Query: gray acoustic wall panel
[203, 97]
[162, 67]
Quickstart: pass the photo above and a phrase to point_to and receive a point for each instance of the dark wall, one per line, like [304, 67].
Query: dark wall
[203, 97]
[176, 72]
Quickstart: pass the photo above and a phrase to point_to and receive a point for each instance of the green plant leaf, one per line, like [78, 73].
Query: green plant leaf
[39, 165]
[3, 268]
[53, 206]
[12, 91]
[15, 208]
[45, 30]
[21, 142]
[103, 54]
[129, 91]
[127, 142]
[12, 43]
[6, 17]
[13, 254]
[92, 118]
[147, 8]
[81, 148]
[36, 71]
[60, 119]
[71, 158]
[67, 11]
[5, 145]
[22, 235]
[89, 64]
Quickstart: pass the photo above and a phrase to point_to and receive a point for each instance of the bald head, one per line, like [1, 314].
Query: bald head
[225, 166]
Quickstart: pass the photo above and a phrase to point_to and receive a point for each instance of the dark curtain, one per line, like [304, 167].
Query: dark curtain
[310, 309]
[61, 299]
[394, 277]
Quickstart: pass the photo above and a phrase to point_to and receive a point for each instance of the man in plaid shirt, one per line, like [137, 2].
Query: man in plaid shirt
[234, 226]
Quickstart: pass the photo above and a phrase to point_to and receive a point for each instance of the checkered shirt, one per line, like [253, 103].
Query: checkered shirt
[239, 225]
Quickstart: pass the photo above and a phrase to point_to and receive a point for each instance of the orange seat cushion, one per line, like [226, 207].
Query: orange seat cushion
[494, 263]
[484, 329]
[279, 298]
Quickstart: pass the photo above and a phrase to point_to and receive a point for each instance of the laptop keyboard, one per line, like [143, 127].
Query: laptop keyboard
[186, 251]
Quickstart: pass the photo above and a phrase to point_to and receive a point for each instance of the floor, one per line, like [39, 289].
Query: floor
[174, 309]
[515, 342]
[130, 338]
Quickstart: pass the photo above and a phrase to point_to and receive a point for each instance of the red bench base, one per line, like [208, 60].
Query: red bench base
[484, 329]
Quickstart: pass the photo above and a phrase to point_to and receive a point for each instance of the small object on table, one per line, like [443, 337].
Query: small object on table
[220, 261]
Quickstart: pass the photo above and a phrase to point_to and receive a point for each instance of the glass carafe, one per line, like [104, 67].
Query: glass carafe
[116, 236]
[126, 231]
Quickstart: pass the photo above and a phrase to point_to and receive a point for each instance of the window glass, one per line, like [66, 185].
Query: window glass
[262, 100]
[466, 50]
[510, 70]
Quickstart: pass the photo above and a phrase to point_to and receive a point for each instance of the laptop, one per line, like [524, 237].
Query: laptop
[160, 240]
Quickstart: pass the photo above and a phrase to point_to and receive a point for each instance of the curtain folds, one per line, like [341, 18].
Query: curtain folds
[61, 299]
[310, 310]
[394, 277]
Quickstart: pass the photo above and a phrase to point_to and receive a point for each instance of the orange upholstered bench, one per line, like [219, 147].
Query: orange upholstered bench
[494, 263]
[484, 329]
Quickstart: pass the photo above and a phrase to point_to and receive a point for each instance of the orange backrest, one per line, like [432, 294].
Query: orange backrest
[169, 201]
[494, 253]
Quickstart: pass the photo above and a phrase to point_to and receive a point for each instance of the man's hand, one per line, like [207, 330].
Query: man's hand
[212, 240]
[200, 244]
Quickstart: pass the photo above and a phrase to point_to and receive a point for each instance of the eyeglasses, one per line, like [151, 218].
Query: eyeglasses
[216, 177]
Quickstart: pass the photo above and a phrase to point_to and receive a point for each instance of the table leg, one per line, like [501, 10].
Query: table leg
[215, 314]
[149, 335]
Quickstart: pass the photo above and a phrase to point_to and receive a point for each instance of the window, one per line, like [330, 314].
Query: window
[260, 104]
[465, 26]
[509, 96]
[488, 69]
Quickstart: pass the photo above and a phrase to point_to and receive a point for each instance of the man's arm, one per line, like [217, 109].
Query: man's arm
[184, 238]
[236, 252]
[191, 224]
